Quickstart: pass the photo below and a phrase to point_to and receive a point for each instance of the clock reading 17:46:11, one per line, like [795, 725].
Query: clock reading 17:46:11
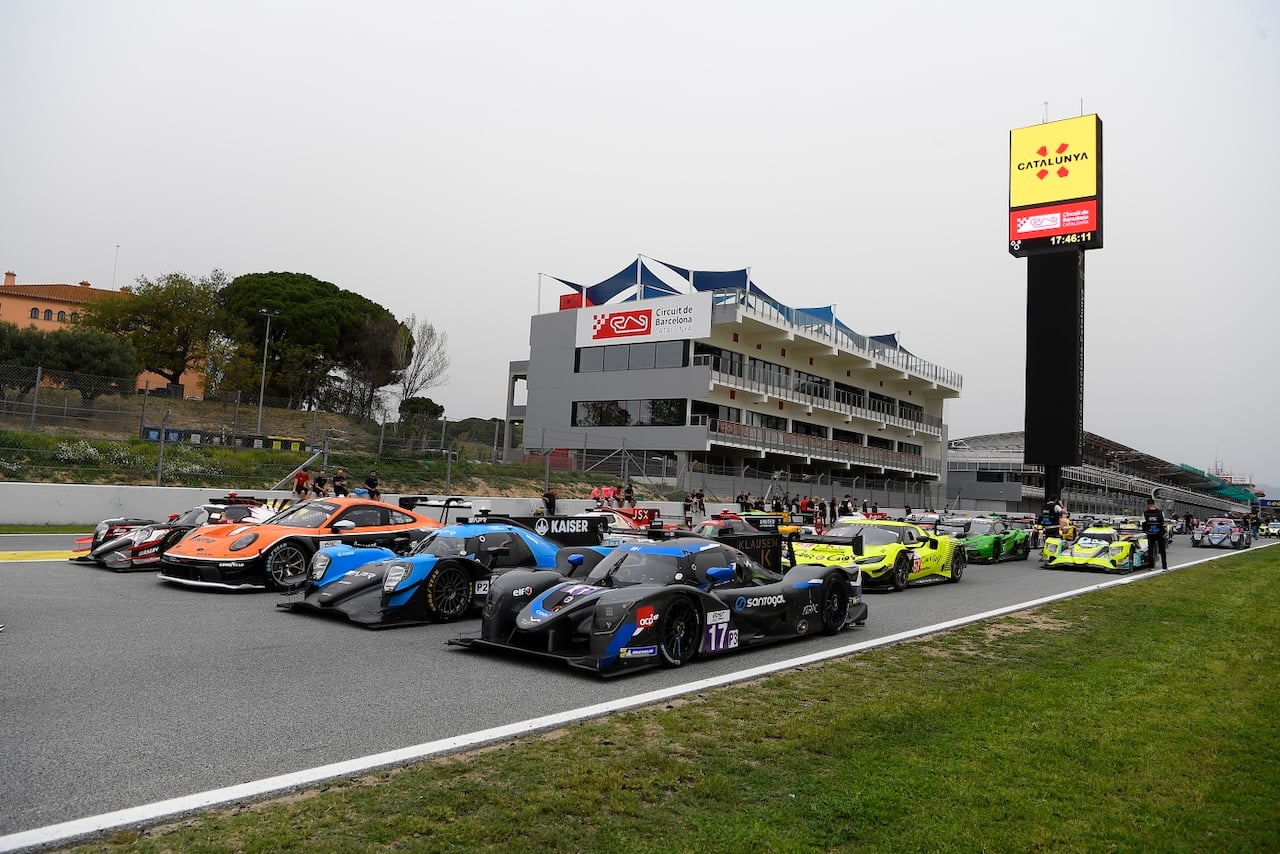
[1060, 239]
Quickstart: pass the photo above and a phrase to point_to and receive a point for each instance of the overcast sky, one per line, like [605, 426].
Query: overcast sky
[436, 157]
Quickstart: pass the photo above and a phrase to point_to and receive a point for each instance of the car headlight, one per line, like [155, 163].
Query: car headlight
[100, 530]
[245, 541]
[396, 573]
[319, 564]
[141, 535]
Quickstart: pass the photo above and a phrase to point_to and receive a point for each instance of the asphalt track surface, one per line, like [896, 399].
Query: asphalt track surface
[119, 690]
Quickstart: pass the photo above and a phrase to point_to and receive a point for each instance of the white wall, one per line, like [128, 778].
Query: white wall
[86, 504]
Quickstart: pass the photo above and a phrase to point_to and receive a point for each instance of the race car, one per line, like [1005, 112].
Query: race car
[275, 554]
[894, 554]
[732, 523]
[988, 540]
[110, 529]
[664, 603]
[1223, 533]
[140, 548]
[1101, 547]
[1271, 529]
[439, 580]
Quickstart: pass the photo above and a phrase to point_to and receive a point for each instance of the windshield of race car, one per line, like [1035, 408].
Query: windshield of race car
[979, 527]
[1094, 538]
[624, 567]
[872, 535]
[194, 517]
[309, 514]
[446, 546]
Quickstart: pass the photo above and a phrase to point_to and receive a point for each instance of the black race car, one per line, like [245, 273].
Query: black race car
[665, 602]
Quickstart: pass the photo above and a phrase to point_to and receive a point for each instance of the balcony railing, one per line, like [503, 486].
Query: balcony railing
[766, 438]
[841, 402]
[838, 335]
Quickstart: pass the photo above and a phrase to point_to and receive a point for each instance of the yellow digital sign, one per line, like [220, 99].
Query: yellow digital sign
[1055, 161]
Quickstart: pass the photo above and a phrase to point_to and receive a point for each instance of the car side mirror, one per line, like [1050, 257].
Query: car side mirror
[576, 561]
[720, 575]
[343, 525]
[933, 543]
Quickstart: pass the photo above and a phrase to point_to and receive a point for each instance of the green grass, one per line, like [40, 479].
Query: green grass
[1142, 718]
[46, 529]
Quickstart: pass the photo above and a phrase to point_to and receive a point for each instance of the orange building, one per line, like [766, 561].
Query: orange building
[52, 307]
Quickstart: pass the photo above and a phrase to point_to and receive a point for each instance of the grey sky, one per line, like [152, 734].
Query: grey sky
[436, 157]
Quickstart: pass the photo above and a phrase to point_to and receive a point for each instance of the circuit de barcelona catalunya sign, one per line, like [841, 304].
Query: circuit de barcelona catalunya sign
[662, 319]
[1055, 186]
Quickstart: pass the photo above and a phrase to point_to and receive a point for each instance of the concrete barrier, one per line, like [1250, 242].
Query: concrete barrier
[88, 504]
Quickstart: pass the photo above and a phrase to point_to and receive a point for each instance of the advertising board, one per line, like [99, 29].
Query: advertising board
[662, 319]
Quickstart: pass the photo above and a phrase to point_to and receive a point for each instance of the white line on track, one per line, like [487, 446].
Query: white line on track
[255, 790]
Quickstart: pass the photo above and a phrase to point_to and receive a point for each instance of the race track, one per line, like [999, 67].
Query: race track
[119, 690]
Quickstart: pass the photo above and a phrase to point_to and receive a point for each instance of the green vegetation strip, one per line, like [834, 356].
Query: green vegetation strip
[1141, 718]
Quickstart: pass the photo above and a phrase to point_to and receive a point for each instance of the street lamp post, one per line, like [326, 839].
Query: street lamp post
[266, 345]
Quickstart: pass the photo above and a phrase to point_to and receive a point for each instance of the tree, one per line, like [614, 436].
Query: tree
[24, 349]
[112, 360]
[417, 414]
[169, 320]
[421, 354]
[346, 340]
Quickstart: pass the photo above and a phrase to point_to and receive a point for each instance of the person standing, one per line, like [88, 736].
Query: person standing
[1153, 526]
[302, 483]
[340, 484]
[629, 496]
[866, 508]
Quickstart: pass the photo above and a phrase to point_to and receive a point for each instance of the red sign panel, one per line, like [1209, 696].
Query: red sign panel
[1056, 227]
[622, 324]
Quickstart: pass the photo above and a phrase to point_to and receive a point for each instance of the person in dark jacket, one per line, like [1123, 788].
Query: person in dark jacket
[1153, 526]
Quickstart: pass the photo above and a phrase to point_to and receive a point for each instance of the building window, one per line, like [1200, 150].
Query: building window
[773, 422]
[62, 317]
[670, 354]
[719, 413]
[846, 436]
[75, 317]
[631, 357]
[990, 476]
[660, 412]
[590, 360]
[850, 395]
[908, 448]
[35, 314]
[877, 442]
[808, 429]
[48, 314]
[813, 385]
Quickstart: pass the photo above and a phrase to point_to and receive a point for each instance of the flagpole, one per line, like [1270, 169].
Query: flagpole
[538, 310]
[639, 286]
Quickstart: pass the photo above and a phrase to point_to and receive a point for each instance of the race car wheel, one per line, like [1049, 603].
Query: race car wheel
[958, 563]
[286, 566]
[1025, 551]
[835, 603]
[449, 592]
[995, 552]
[679, 633]
[901, 572]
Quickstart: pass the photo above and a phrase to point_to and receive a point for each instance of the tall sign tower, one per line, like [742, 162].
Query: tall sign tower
[1055, 215]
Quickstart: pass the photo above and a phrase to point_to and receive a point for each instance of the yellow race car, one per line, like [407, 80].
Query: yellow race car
[1100, 547]
[893, 554]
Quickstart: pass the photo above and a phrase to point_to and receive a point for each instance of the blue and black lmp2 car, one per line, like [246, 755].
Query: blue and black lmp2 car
[666, 603]
[437, 581]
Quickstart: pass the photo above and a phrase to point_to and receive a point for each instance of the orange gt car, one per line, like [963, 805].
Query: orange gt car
[275, 553]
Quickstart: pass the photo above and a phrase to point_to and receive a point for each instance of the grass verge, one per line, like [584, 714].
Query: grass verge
[1141, 718]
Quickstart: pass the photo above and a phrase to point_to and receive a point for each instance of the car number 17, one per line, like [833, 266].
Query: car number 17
[721, 638]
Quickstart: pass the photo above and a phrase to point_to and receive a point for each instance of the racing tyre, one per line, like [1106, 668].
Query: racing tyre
[835, 603]
[901, 573]
[679, 633]
[449, 592]
[1025, 551]
[995, 552]
[958, 563]
[286, 565]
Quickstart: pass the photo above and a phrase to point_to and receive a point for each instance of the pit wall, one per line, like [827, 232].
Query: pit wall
[84, 504]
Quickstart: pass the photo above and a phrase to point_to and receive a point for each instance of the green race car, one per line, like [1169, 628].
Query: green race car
[894, 554]
[1102, 548]
[988, 540]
